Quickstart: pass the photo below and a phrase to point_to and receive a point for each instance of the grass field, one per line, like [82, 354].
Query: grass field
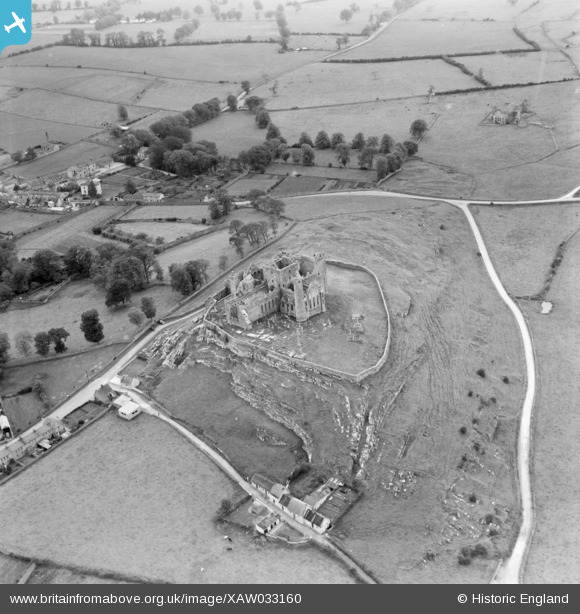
[20, 132]
[19, 220]
[75, 230]
[523, 242]
[62, 376]
[319, 207]
[253, 181]
[61, 160]
[407, 38]
[145, 471]
[325, 84]
[182, 212]
[522, 67]
[374, 118]
[231, 132]
[202, 397]
[206, 62]
[467, 10]
[168, 230]
[65, 310]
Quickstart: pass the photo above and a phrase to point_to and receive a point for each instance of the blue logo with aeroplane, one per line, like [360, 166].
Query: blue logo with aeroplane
[15, 22]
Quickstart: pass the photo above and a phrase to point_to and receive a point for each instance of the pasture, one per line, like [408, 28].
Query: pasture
[66, 307]
[327, 84]
[73, 230]
[203, 398]
[407, 38]
[182, 212]
[62, 375]
[62, 108]
[373, 118]
[523, 241]
[212, 63]
[61, 160]
[112, 468]
[19, 132]
[253, 181]
[467, 11]
[231, 132]
[522, 67]
[19, 220]
[170, 231]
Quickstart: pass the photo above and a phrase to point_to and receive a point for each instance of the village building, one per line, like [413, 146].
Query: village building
[84, 186]
[153, 197]
[17, 448]
[292, 285]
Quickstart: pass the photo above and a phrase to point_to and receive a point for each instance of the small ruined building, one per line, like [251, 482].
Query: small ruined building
[514, 115]
[292, 285]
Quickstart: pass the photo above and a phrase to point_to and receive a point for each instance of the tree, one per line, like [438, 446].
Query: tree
[135, 316]
[91, 326]
[382, 167]
[58, 336]
[253, 102]
[118, 293]
[42, 343]
[232, 102]
[78, 261]
[336, 139]
[411, 147]
[4, 348]
[262, 118]
[305, 139]
[273, 221]
[224, 201]
[23, 341]
[130, 268]
[418, 128]
[322, 141]
[246, 86]
[387, 143]
[130, 186]
[223, 262]
[273, 132]
[6, 293]
[359, 141]
[393, 161]
[146, 255]
[259, 158]
[123, 113]
[29, 155]
[92, 189]
[180, 279]
[46, 265]
[235, 226]
[307, 155]
[17, 156]
[148, 307]
[238, 243]
[366, 156]
[343, 154]
[346, 15]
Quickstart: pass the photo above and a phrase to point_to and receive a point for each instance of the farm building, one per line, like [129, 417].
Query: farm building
[153, 197]
[292, 285]
[266, 525]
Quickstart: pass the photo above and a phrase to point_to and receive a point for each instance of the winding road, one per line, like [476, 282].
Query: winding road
[510, 571]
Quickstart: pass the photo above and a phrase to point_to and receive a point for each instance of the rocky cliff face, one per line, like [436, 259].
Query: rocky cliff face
[330, 416]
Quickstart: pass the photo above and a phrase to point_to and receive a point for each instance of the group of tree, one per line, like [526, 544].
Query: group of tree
[24, 156]
[283, 29]
[19, 276]
[186, 30]
[220, 205]
[57, 5]
[147, 311]
[232, 13]
[189, 277]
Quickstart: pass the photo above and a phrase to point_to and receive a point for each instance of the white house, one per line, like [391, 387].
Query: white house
[84, 186]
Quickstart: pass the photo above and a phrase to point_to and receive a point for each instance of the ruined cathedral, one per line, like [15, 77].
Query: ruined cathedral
[292, 285]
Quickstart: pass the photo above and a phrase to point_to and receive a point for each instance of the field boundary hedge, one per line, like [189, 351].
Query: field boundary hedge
[440, 56]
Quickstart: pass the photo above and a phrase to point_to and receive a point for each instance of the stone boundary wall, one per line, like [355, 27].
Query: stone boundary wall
[25, 303]
[249, 349]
